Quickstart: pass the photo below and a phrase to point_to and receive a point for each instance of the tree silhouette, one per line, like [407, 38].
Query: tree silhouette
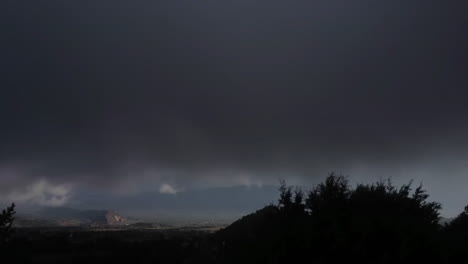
[298, 195]
[6, 222]
[286, 196]
[393, 224]
[333, 194]
[371, 223]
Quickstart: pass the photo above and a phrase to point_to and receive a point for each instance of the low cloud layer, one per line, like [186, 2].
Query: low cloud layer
[41, 193]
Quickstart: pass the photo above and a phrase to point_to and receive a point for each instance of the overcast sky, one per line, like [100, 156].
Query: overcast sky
[133, 96]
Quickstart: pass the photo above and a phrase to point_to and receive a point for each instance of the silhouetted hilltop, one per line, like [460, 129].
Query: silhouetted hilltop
[252, 225]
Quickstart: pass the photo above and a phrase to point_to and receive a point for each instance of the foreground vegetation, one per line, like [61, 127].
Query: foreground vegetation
[331, 223]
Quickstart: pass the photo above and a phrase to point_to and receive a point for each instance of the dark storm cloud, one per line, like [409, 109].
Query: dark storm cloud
[101, 92]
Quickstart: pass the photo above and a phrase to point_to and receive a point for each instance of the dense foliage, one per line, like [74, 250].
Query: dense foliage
[333, 222]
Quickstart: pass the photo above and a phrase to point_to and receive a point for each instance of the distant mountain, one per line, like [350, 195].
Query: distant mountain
[64, 216]
[225, 203]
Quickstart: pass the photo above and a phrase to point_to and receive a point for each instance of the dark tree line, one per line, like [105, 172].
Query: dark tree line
[335, 223]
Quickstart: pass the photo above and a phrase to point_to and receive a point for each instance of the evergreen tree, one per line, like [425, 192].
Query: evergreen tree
[6, 222]
[286, 196]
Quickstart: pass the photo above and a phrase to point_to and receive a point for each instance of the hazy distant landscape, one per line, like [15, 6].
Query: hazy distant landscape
[193, 206]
